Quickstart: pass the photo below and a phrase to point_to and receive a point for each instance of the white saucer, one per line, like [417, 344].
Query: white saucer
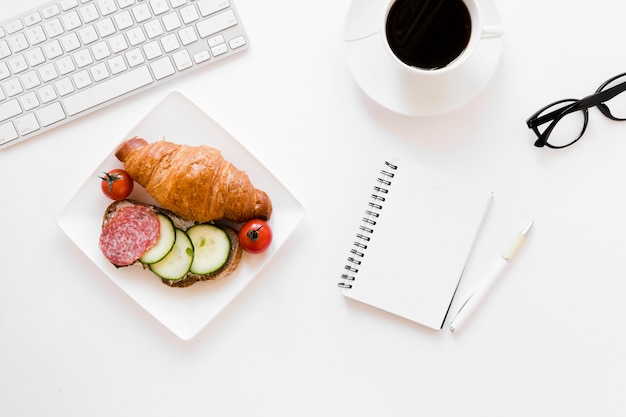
[382, 79]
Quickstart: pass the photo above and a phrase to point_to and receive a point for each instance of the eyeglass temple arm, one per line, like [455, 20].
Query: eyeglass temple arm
[584, 103]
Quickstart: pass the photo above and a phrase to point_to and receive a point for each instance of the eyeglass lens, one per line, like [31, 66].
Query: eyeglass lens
[568, 130]
[617, 105]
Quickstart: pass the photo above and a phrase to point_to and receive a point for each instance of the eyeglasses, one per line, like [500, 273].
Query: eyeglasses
[567, 119]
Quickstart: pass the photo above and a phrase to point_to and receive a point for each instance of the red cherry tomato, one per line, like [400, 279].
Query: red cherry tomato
[117, 184]
[255, 236]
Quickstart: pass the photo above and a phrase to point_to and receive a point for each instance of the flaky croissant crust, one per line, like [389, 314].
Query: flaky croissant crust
[195, 182]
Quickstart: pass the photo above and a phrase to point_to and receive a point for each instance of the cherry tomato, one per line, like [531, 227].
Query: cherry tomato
[116, 184]
[255, 236]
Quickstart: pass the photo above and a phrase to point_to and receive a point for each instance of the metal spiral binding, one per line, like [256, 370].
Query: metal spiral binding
[372, 213]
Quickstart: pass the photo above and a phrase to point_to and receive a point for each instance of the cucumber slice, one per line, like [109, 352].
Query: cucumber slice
[212, 247]
[164, 243]
[178, 261]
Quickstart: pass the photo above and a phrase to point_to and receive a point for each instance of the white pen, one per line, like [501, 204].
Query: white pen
[477, 295]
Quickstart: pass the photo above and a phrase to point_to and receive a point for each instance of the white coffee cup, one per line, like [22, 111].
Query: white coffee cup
[434, 36]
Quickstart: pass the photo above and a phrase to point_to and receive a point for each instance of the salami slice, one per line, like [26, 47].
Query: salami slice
[132, 231]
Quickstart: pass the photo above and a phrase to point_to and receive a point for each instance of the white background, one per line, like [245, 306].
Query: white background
[548, 341]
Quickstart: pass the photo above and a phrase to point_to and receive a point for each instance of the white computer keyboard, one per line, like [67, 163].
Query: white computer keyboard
[69, 57]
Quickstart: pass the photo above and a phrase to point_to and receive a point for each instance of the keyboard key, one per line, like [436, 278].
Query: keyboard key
[9, 109]
[32, 19]
[108, 90]
[107, 7]
[35, 57]
[64, 86]
[89, 13]
[53, 28]
[237, 42]
[50, 114]
[29, 101]
[162, 68]
[4, 71]
[18, 43]
[50, 11]
[216, 23]
[123, 20]
[208, 7]
[68, 4]
[12, 87]
[46, 94]
[141, 13]
[88, 35]
[7, 133]
[27, 124]
[182, 60]
[159, 6]
[47, 72]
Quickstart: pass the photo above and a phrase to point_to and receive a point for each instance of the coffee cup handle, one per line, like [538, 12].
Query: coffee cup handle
[491, 31]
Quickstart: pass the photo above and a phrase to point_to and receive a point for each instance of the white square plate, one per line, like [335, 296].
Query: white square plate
[185, 311]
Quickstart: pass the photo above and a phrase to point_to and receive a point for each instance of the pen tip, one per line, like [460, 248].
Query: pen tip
[529, 226]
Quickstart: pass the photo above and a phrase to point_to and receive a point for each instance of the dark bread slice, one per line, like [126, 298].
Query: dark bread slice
[228, 268]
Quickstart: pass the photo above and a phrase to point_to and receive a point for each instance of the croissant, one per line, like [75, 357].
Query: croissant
[195, 182]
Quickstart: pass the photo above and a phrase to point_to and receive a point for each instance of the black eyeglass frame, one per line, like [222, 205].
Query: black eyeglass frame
[598, 99]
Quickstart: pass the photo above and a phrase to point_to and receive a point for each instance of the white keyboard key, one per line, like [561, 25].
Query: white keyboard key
[106, 27]
[189, 14]
[30, 80]
[162, 68]
[29, 101]
[53, 28]
[65, 65]
[68, 4]
[5, 51]
[237, 42]
[153, 28]
[88, 34]
[89, 13]
[125, 3]
[35, 57]
[170, 43]
[4, 71]
[64, 86]
[123, 20]
[71, 20]
[27, 124]
[50, 114]
[141, 12]
[201, 57]
[118, 43]
[159, 6]
[50, 11]
[83, 58]
[46, 94]
[7, 133]
[18, 43]
[99, 72]
[108, 90]
[12, 87]
[100, 51]
[182, 60]
[171, 21]
[117, 65]
[35, 35]
[47, 72]
[208, 7]
[216, 23]
[18, 64]
[152, 50]
[177, 3]
[32, 19]
[70, 42]
[9, 109]
[216, 40]
[81, 79]
[107, 7]
[187, 36]
[134, 57]
[219, 49]
[14, 26]
[53, 49]
[136, 36]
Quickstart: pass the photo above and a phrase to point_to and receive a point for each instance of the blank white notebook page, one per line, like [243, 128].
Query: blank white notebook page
[413, 259]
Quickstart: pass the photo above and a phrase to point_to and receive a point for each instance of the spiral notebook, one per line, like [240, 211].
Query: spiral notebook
[413, 241]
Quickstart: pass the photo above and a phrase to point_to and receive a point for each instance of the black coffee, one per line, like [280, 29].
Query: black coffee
[428, 34]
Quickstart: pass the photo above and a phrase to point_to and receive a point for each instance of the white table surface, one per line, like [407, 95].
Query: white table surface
[548, 341]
